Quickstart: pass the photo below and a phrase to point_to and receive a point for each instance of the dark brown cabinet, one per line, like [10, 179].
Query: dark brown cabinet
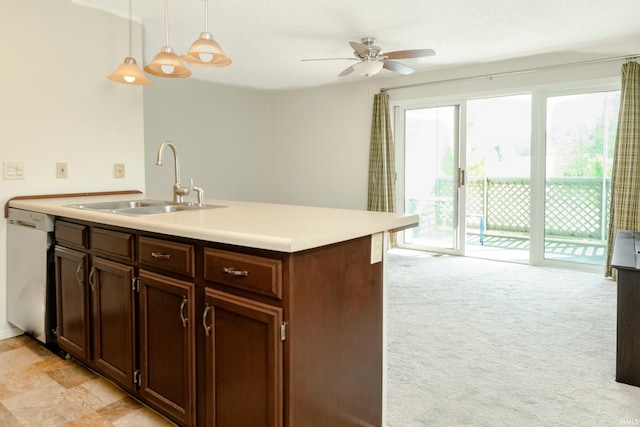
[212, 334]
[243, 361]
[113, 320]
[96, 316]
[167, 345]
[72, 287]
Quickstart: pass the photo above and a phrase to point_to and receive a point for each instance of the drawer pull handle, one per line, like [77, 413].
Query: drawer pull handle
[207, 328]
[232, 271]
[184, 319]
[160, 255]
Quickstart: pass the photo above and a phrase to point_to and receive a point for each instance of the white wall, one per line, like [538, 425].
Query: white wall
[56, 105]
[321, 145]
[223, 135]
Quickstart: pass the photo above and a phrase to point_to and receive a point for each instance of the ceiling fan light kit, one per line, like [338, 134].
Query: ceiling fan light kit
[129, 72]
[368, 68]
[372, 59]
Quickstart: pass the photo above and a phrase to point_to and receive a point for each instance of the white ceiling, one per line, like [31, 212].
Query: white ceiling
[267, 39]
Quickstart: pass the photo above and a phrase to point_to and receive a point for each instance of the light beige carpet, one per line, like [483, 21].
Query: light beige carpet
[487, 343]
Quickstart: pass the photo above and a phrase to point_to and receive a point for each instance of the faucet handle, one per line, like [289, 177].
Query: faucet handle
[200, 192]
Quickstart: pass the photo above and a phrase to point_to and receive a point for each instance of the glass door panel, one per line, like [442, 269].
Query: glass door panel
[580, 137]
[430, 176]
[498, 177]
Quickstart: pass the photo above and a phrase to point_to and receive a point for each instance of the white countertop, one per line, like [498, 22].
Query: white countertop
[285, 228]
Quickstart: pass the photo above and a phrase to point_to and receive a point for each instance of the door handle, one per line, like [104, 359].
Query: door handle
[207, 328]
[79, 274]
[91, 283]
[184, 319]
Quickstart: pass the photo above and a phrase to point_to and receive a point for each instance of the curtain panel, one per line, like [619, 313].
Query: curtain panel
[382, 172]
[625, 175]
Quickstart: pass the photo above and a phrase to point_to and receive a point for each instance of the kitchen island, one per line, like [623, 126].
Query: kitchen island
[247, 314]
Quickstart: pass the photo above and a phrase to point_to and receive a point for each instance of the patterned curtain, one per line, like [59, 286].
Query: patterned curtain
[382, 166]
[625, 178]
[382, 170]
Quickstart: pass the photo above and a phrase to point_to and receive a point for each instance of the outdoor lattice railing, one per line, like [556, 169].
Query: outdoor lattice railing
[574, 207]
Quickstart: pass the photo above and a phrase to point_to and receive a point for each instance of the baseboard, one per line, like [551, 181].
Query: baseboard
[9, 331]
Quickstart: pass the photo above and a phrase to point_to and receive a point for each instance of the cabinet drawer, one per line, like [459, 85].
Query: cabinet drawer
[111, 242]
[166, 255]
[72, 234]
[252, 273]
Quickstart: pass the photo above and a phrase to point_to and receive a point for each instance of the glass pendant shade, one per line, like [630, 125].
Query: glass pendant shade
[129, 73]
[167, 64]
[368, 68]
[206, 52]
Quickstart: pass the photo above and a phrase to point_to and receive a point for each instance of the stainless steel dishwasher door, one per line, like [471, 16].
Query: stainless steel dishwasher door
[29, 240]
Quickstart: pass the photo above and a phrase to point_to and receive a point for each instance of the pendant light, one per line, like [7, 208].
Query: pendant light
[166, 63]
[128, 72]
[205, 51]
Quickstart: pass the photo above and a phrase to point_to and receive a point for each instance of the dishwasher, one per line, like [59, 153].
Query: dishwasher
[31, 302]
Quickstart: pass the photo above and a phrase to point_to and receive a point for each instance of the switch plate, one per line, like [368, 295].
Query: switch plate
[61, 170]
[118, 170]
[13, 170]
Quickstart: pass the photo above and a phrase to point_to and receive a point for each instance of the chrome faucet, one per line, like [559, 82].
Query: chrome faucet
[178, 190]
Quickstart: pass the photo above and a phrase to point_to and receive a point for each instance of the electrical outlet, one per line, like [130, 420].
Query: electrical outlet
[118, 170]
[376, 248]
[61, 170]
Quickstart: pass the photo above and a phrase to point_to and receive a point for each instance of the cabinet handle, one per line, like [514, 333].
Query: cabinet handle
[160, 255]
[79, 275]
[207, 328]
[233, 272]
[184, 319]
[93, 285]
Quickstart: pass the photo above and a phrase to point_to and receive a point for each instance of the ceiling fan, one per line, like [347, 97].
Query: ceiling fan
[371, 58]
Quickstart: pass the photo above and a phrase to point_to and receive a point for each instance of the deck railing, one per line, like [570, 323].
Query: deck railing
[574, 207]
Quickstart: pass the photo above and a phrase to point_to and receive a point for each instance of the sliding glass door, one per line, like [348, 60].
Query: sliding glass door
[580, 137]
[522, 178]
[499, 177]
[431, 171]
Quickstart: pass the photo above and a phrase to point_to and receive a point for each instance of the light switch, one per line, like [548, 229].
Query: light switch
[13, 170]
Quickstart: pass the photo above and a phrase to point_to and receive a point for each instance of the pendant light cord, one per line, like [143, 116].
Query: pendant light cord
[130, 29]
[206, 16]
[166, 22]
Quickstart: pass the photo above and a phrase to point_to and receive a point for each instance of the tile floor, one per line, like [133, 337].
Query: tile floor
[38, 388]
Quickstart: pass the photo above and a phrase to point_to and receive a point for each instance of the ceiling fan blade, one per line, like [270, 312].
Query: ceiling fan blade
[346, 71]
[398, 67]
[359, 48]
[413, 53]
[330, 59]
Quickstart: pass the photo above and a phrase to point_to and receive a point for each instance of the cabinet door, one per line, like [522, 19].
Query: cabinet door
[73, 302]
[167, 342]
[113, 317]
[243, 361]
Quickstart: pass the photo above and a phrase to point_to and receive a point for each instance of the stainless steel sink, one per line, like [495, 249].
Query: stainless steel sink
[141, 207]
